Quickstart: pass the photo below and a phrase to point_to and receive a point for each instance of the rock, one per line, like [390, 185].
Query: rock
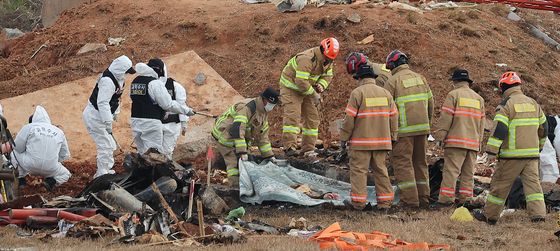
[289, 5]
[354, 18]
[200, 79]
[404, 6]
[92, 47]
[185, 152]
[13, 33]
[213, 202]
[115, 41]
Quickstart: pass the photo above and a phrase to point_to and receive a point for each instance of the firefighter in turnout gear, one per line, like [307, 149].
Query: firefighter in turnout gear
[460, 131]
[304, 77]
[414, 101]
[369, 128]
[519, 133]
[242, 124]
[383, 74]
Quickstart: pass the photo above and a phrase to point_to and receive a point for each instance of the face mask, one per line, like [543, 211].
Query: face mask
[269, 106]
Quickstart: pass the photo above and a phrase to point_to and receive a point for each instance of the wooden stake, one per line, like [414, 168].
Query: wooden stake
[168, 208]
[200, 217]
[191, 199]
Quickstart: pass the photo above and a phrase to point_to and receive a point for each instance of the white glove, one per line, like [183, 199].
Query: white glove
[188, 111]
[244, 157]
[183, 128]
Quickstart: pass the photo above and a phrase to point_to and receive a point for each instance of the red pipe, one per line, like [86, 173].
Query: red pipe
[41, 221]
[70, 216]
[4, 213]
[6, 221]
[22, 214]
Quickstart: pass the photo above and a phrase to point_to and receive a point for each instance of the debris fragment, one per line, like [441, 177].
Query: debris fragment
[236, 214]
[403, 6]
[92, 47]
[300, 224]
[13, 33]
[200, 78]
[366, 40]
[354, 18]
[289, 5]
[115, 41]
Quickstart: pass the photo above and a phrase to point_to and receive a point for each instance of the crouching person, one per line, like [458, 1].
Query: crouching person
[40, 149]
[370, 126]
[241, 124]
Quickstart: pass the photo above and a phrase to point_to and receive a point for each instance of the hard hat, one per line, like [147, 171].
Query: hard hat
[509, 78]
[354, 60]
[394, 59]
[330, 47]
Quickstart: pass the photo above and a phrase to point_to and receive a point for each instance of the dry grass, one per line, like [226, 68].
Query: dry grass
[514, 232]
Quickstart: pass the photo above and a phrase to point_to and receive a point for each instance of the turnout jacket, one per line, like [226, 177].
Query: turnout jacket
[371, 120]
[414, 100]
[306, 70]
[242, 124]
[461, 124]
[520, 127]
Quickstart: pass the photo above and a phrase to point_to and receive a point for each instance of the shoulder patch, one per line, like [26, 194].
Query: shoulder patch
[525, 107]
[382, 101]
[469, 102]
[415, 81]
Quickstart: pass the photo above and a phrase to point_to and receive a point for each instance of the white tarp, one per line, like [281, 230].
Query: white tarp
[269, 182]
[548, 163]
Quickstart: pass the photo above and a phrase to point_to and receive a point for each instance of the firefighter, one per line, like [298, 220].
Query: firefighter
[459, 130]
[238, 126]
[414, 101]
[370, 126]
[519, 133]
[302, 81]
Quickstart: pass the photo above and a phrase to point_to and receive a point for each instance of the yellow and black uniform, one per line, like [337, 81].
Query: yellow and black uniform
[461, 129]
[370, 125]
[297, 87]
[237, 128]
[414, 100]
[519, 133]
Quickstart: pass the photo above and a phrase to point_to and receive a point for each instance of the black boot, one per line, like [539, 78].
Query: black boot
[479, 215]
[49, 183]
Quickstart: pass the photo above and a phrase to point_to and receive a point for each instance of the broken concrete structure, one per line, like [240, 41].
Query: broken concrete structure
[65, 103]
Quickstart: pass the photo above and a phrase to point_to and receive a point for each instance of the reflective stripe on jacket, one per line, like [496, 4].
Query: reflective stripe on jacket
[371, 120]
[520, 127]
[306, 70]
[414, 100]
[461, 124]
[243, 123]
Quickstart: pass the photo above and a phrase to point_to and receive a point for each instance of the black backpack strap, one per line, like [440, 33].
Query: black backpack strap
[110, 75]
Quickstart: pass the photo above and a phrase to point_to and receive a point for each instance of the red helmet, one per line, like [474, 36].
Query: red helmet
[509, 78]
[394, 59]
[330, 47]
[354, 60]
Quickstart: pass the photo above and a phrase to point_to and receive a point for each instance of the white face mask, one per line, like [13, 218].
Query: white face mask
[269, 106]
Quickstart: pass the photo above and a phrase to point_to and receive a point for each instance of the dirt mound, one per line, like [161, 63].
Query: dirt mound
[249, 44]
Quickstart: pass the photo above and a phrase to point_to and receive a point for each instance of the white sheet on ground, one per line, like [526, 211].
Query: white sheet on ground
[258, 183]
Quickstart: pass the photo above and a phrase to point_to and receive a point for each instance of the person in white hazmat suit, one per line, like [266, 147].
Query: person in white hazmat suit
[551, 149]
[150, 102]
[40, 149]
[103, 108]
[173, 124]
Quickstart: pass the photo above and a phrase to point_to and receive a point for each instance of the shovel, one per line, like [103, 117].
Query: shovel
[206, 114]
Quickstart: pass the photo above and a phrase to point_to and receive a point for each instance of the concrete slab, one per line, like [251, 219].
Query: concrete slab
[66, 102]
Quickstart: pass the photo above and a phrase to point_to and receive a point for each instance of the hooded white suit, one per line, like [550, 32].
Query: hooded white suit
[172, 131]
[98, 121]
[548, 158]
[40, 147]
[148, 133]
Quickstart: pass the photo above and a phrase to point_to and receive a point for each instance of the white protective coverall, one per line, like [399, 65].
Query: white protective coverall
[148, 133]
[40, 147]
[548, 157]
[97, 122]
[171, 131]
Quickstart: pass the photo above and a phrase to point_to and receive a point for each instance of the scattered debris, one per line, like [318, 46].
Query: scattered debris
[334, 237]
[354, 18]
[115, 41]
[92, 47]
[404, 6]
[289, 5]
[13, 33]
[39, 49]
[299, 224]
[501, 65]
[366, 40]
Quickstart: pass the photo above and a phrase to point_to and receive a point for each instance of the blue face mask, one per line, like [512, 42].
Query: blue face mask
[269, 106]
